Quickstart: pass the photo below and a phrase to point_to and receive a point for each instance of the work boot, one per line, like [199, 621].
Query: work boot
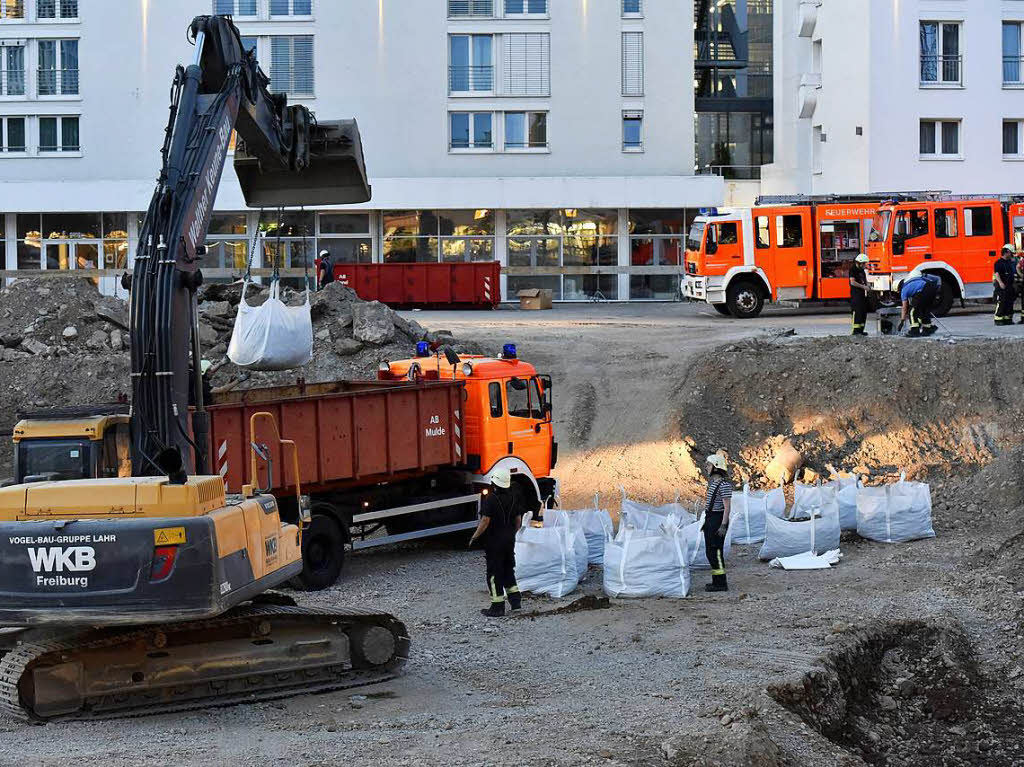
[929, 330]
[718, 583]
[496, 610]
[515, 600]
[859, 333]
[914, 333]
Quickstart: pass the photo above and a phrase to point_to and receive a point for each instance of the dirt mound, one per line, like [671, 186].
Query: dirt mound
[883, 405]
[63, 343]
[909, 693]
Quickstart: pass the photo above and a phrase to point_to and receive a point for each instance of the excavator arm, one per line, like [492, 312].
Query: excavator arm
[283, 157]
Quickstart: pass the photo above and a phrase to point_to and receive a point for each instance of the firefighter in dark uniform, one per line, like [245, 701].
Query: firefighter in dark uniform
[918, 294]
[324, 270]
[1004, 272]
[717, 507]
[500, 518]
[859, 295]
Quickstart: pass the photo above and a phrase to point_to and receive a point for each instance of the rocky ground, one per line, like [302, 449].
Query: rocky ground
[904, 654]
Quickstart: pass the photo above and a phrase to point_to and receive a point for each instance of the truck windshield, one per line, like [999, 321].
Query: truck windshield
[880, 226]
[66, 459]
[696, 235]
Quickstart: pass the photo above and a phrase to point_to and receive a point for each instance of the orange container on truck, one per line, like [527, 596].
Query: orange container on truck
[955, 238]
[737, 259]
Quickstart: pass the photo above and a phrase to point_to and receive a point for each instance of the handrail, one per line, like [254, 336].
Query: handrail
[254, 449]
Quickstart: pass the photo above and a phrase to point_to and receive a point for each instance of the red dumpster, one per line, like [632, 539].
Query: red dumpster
[436, 286]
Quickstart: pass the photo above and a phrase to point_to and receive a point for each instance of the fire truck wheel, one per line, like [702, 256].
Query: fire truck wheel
[945, 299]
[744, 299]
[722, 309]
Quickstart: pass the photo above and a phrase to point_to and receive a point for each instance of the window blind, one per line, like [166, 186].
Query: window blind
[632, 63]
[527, 64]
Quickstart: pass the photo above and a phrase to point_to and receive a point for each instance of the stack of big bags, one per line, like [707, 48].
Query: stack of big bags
[553, 559]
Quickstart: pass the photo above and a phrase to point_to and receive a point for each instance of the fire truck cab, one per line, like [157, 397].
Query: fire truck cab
[957, 239]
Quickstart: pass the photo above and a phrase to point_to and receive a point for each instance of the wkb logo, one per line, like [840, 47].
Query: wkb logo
[59, 559]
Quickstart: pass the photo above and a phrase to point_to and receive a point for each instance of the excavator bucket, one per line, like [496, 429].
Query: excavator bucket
[335, 175]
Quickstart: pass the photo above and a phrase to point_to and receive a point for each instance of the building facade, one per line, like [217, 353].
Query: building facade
[554, 136]
[879, 95]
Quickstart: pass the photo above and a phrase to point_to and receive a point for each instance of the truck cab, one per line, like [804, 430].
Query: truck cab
[736, 259]
[957, 240]
[69, 444]
[507, 416]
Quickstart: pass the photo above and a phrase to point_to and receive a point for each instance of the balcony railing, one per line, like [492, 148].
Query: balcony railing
[1013, 69]
[734, 172]
[58, 82]
[12, 82]
[941, 70]
[466, 79]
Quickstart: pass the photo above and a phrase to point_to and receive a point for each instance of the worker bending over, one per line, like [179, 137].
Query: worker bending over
[859, 295]
[500, 518]
[717, 508]
[1004, 272]
[918, 293]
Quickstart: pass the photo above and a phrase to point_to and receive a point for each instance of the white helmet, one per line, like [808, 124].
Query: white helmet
[501, 477]
[324, 254]
[862, 258]
[1010, 247]
[717, 461]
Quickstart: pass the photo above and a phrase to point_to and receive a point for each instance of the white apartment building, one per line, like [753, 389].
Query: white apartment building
[554, 136]
[887, 95]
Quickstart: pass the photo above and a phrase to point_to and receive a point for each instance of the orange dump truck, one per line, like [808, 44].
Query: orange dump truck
[956, 238]
[789, 249]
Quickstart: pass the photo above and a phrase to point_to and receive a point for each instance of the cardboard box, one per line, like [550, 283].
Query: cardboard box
[534, 299]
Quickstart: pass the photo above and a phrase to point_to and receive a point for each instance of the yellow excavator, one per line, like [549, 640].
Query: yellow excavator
[151, 593]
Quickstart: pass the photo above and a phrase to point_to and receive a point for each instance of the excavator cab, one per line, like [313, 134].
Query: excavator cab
[335, 173]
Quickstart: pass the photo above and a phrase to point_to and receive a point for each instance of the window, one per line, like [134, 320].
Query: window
[632, 8]
[526, 130]
[291, 65]
[12, 134]
[427, 235]
[235, 7]
[632, 131]
[227, 244]
[494, 393]
[470, 63]
[289, 242]
[940, 138]
[1013, 131]
[945, 222]
[789, 232]
[458, 8]
[58, 67]
[346, 237]
[527, 64]
[763, 232]
[911, 223]
[291, 8]
[727, 234]
[58, 134]
[978, 221]
[12, 10]
[1012, 59]
[471, 130]
[12, 70]
[632, 63]
[57, 9]
[526, 7]
[656, 241]
[940, 53]
[518, 393]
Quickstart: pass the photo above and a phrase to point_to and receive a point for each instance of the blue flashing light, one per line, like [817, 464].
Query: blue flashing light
[508, 352]
[709, 211]
[423, 349]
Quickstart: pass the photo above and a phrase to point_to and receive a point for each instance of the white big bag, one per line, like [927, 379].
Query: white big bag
[895, 513]
[272, 336]
[696, 550]
[749, 510]
[646, 563]
[597, 528]
[819, 534]
[569, 519]
[807, 497]
[545, 559]
[846, 495]
[645, 516]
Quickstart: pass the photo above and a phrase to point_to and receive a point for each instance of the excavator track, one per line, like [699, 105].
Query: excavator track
[249, 654]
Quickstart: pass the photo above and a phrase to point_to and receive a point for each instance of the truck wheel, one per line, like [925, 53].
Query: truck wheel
[323, 553]
[722, 309]
[945, 300]
[744, 300]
